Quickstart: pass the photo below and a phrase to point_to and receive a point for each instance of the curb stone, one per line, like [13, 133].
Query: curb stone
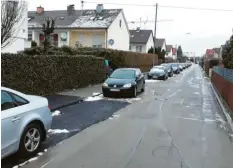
[72, 103]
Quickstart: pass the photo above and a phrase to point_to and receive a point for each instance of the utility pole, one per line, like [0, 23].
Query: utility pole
[156, 11]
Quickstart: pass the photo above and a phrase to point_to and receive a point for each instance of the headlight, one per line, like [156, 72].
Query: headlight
[128, 85]
[105, 85]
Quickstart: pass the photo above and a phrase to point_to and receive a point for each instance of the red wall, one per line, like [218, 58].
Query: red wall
[224, 87]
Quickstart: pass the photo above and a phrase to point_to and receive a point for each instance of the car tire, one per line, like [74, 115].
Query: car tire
[105, 95]
[134, 94]
[29, 130]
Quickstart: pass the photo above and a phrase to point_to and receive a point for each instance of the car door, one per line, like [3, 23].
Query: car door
[140, 79]
[10, 122]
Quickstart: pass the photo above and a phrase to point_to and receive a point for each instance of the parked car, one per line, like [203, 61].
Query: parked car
[169, 69]
[124, 81]
[158, 72]
[181, 68]
[175, 68]
[25, 122]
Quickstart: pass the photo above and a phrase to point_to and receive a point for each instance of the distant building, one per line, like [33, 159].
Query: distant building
[141, 40]
[169, 50]
[160, 43]
[98, 28]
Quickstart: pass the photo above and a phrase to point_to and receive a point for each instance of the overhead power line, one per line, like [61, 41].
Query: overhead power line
[194, 8]
[112, 3]
[164, 6]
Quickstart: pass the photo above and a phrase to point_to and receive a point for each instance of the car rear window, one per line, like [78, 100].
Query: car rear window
[123, 74]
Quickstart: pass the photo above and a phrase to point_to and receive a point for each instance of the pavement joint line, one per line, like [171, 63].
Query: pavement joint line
[229, 119]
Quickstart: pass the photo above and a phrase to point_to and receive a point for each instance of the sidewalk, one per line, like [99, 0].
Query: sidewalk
[66, 98]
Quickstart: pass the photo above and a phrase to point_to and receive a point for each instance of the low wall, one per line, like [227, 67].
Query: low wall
[222, 79]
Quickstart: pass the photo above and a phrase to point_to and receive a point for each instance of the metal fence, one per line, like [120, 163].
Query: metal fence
[226, 73]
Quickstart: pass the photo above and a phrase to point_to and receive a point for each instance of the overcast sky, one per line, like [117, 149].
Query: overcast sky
[207, 29]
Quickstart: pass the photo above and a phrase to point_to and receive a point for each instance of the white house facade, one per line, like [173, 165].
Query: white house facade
[118, 33]
[19, 41]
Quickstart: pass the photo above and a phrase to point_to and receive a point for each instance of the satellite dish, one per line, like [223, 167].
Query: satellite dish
[111, 42]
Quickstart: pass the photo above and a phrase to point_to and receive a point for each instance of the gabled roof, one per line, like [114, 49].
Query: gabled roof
[210, 52]
[168, 48]
[159, 42]
[140, 36]
[217, 50]
[79, 19]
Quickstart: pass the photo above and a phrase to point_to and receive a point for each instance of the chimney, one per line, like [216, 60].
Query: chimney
[138, 29]
[70, 9]
[39, 10]
[99, 8]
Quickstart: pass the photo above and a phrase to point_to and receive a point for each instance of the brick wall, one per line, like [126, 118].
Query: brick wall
[224, 87]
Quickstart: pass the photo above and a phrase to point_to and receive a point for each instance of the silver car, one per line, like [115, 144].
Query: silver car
[25, 122]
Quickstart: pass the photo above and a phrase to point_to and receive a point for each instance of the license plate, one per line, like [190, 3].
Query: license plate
[115, 90]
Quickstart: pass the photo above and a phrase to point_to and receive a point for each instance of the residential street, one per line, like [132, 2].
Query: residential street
[176, 123]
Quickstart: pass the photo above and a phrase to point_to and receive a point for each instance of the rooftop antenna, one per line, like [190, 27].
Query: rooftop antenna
[82, 4]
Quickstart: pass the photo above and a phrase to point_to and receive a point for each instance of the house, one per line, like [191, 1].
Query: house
[99, 28]
[19, 40]
[217, 51]
[210, 54]
[160, 43]
[174, 53]
[169, 50]
[141, 40]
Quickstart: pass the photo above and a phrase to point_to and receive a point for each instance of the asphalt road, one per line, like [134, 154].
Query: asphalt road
[176, 123]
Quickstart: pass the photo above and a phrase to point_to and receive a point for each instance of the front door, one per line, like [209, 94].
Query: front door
[10, 124]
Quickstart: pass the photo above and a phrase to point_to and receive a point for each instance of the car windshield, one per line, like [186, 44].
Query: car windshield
[123, 74]
[174, 65]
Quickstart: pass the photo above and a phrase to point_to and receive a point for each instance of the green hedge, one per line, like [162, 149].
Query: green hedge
[119, 58]
[45, 75]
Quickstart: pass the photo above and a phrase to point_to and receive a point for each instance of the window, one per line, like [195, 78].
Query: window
[130, 47]
[139, 48]
[6, 101]
[29, 35]
[97, 46]
[120, 23]
[18, 100]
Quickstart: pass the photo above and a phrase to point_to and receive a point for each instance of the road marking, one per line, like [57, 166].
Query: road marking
[181, 101]
[196, 119]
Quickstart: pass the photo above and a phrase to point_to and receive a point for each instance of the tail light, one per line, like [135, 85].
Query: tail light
[49, 107]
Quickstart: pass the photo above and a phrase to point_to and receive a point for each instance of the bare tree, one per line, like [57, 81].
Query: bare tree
[48, 29]
[12, 12]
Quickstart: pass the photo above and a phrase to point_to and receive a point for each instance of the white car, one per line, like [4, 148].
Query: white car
[25, 122]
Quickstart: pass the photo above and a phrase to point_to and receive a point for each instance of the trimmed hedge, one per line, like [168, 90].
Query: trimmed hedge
[43, 75]
[119, 58]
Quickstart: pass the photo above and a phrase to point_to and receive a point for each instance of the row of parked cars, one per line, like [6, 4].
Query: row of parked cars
[131, 81]
[166, 70]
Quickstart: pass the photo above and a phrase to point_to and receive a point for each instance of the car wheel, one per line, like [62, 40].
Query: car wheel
[143, 88]
[134, 92]
[31, 140]
[105, 95]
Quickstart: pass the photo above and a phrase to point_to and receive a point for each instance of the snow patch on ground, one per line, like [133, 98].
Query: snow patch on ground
[96, 98]
[115, 116]
[129, 100]
[56, 113]
[96, 94]
[197, 93]
[151, 81]
[33, 159]
[58, 131]
[45, 150]
[40, 153]
[208, 120]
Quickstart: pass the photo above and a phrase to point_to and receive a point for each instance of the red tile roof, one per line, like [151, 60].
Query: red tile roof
[174, 51]
[210, 52]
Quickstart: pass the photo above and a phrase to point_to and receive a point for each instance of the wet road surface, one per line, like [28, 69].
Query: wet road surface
[177, 123]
